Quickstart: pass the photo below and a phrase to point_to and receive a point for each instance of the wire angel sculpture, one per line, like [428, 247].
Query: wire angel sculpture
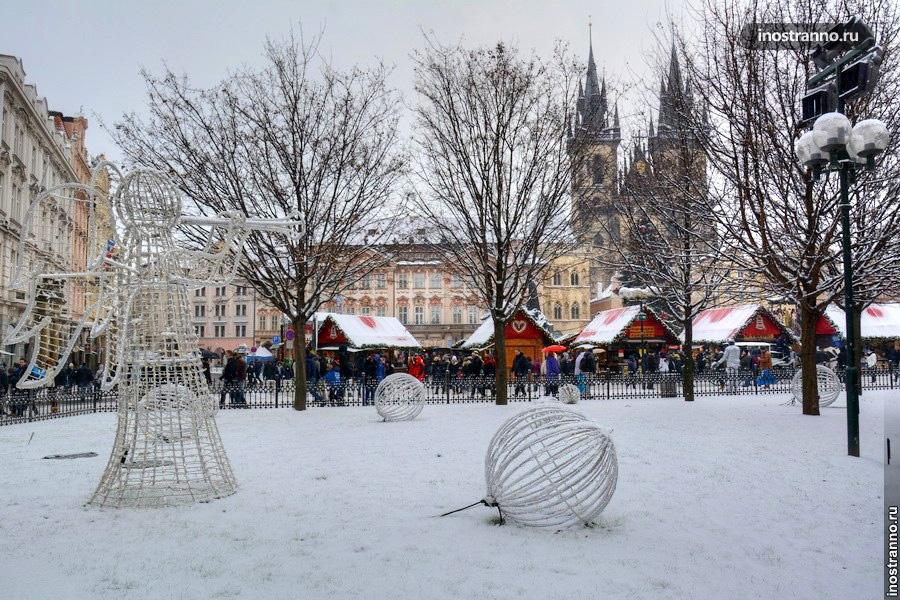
[132, 293]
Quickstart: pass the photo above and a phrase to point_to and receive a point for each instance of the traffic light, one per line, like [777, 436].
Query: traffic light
[859, 77]
[817, 102]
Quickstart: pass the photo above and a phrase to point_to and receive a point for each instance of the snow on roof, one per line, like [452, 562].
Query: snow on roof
[484, 335]
[876, 321]
[373, 332]
[721, 324]
[608, 324]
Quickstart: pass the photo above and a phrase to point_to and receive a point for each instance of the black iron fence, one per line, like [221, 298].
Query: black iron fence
[18, 406]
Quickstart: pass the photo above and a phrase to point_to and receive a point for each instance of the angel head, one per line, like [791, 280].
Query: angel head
[149, 204]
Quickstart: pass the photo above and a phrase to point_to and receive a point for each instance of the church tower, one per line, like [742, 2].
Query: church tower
[593, 147]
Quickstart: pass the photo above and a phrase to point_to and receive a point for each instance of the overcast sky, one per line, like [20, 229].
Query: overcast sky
[85, 56]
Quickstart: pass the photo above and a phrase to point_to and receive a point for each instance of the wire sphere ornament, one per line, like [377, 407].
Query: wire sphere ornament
[569, 394]
[399, 397]
[828, 383]
[550, 467]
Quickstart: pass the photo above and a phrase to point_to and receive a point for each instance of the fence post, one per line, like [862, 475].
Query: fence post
[608, 374]
[277, 390]
[94, 396]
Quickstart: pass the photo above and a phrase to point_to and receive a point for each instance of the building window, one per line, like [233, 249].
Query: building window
[576, 312]
[200, 330]
[419, 313]
[557, 278]
[557, 311]
[403, 314]
[219, 330]
[274, 321]
[457, 315]
[473, 315]
[220, 310]
[380, 311]
[240, 310]
[380, 281]
[573, 278]
[434, 280]
[199, 310]
[403, 280]
[262, 322]
[240, 290]
[456, 281]
[366, 311]
[435, 315]
[418, 280]
[200, 292]
[597, 170]
[365, 282]
[240, 330]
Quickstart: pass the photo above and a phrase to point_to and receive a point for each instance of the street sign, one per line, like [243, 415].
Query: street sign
[289, 334]
[276, 339]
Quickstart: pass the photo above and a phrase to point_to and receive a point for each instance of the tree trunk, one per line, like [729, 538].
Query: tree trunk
[858, 346]
[501, 371]
[808, 318]
[299, 364]
[688, 353]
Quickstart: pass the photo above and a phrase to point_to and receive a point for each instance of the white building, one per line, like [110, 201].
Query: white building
[34, 155]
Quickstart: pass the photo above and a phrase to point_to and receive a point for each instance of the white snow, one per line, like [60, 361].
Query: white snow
[876, 321]
[725, 497]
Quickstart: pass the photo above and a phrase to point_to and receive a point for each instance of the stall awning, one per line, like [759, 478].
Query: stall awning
[618, 325]
[877, 321]
[747, 321]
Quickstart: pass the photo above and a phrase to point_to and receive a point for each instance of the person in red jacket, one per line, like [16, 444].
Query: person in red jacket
[417, 367]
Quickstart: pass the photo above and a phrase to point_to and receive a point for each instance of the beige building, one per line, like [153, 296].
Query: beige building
[565, 292]
[35, 154]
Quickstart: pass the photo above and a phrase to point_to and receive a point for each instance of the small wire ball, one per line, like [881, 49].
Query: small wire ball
[569, 394]
[550, 467]
[828, 383]
[399, 397]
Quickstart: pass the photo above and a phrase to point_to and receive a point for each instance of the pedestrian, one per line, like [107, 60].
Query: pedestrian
[227, 377]
[766, 378]
[333, 381]
[872, 363]
[312, 377]
[240, 380]
[521, 367]
[552, 371]
[370, 380]
[207, 373]
[417, 367]
[489, 371]
[731, 358]
[632, 365]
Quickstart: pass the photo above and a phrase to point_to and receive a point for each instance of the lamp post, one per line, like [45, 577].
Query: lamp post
[833, 145]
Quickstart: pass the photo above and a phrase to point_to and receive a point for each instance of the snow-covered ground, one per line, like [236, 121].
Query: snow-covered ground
[738, 497]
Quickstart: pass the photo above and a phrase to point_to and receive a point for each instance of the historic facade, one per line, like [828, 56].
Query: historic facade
[36, 152]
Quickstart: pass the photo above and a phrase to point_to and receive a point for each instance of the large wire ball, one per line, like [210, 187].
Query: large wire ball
[569, 394]
[829, 385]
[399, 397]
[549, 466]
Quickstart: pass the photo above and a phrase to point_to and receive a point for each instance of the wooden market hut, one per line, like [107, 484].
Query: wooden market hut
[528, 330]
[622, 329]
[362, 332]
[879, 324]
[743, 323]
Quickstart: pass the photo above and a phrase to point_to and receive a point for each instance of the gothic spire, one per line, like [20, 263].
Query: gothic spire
[592, 85]
[616, 117]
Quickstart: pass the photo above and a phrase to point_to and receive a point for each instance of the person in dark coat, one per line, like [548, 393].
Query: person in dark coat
[228, 378]
[312, 376]
[369, 380]
[207, 373]
[488, 371]
[240, 379]
[521, 367]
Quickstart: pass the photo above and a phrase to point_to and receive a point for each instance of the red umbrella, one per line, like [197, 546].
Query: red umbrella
[555, 348]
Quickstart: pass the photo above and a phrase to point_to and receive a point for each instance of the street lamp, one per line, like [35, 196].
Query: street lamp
[833, 145]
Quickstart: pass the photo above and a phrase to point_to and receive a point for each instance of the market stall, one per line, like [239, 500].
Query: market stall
[363, 332]
[528, 330]
[879, 325]
[744, 323]
[621, 330]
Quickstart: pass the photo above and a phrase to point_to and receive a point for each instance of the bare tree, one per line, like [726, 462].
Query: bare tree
[297, 137]
[493, 170]
[778, 222]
